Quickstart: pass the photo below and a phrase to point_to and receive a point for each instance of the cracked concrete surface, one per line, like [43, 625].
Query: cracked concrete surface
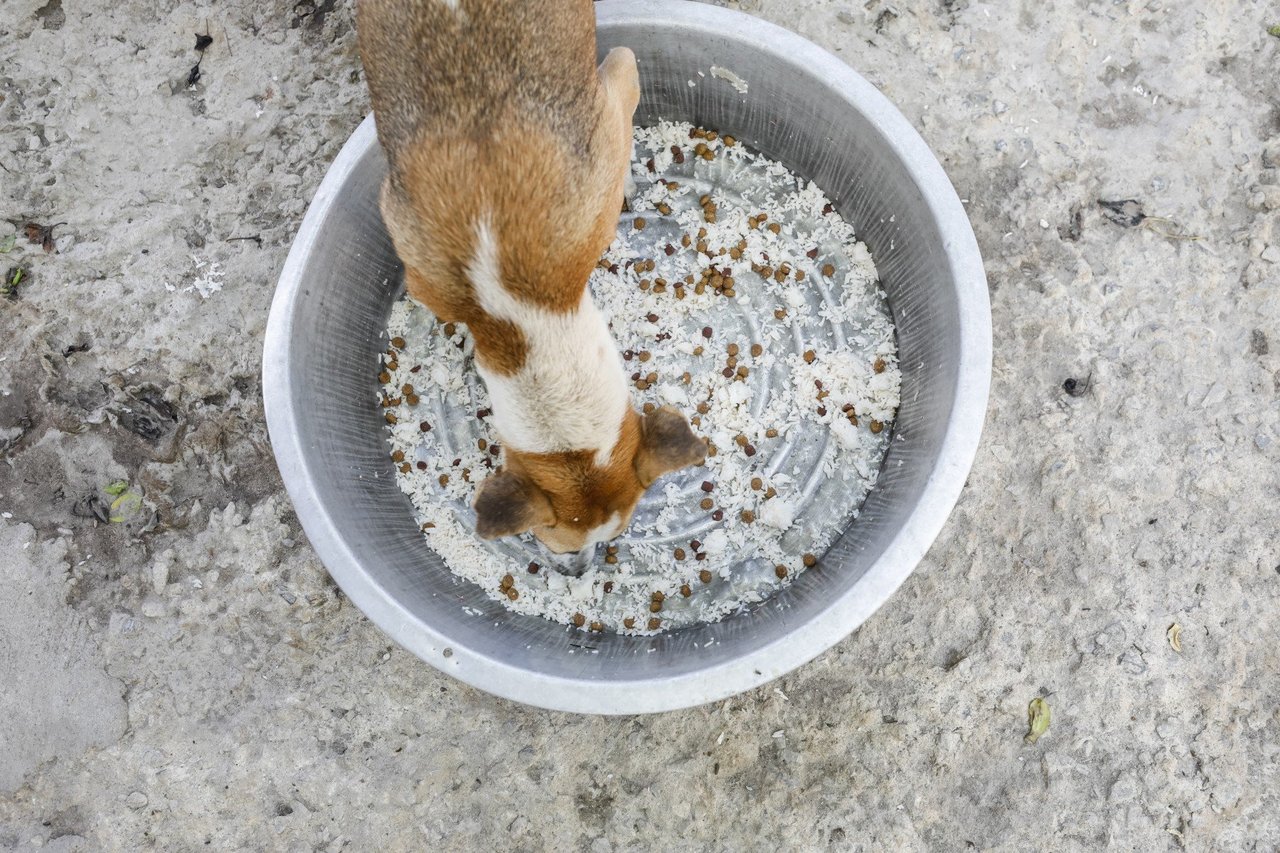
[189, 676]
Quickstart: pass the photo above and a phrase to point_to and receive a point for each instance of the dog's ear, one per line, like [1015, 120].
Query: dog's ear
[666, 444]
[508, 504]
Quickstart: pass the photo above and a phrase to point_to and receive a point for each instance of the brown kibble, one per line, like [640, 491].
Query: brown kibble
[828, 270]
[731, 361]
[384, 377]
[579, 620]
[649, 408]
[706, 331]
[703, 408]
[726, 373]
[654, 623]
[879, 365]
[645, 355]
[533, 568]
[757, 350]
[422, 466]
[780, 570]
[707, 503]
[423, 426]
[698, 350]
[412, 399]
[651, 378]
[608, 586]
[507, 581]
[780, 313]
[655, 606]
[677, 154]
[743, 372]
[686, 377]
[822, 411]
[444, 479]
[397, 342]
[748, 516]
[406, 468]
[629, 622]
[513, 593]
[686, 240]
[450, 329]
[597, 627]
[771, 492]
[775, 227]
[729, 141]
[679, 554]
[718, 515]
[644, 284]
[704, 576]
[799, 275]
[876, 427]
[708, 486]
[732, 349]
[664, 208]
[482, 444]
[740, 440]
[391, 418]
[685, 590]
[611, 559]
[696, 420]
[757, 483]
[810, 561]
[702, 233]
[639, 223]
[397, 456]
[771, 433]
[406, 389]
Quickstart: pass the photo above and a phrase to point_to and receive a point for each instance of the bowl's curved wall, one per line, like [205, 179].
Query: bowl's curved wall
[802, 107]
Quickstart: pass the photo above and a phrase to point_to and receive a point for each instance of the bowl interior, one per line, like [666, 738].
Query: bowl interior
[348, 275]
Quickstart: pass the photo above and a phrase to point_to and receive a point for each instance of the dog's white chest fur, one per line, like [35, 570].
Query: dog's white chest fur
[571, 392]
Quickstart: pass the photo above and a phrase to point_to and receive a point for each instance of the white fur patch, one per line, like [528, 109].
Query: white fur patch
[571, 393]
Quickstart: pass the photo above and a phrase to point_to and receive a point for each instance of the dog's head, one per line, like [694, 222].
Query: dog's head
[570, 501]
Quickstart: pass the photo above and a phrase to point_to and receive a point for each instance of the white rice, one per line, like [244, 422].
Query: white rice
[819, 466]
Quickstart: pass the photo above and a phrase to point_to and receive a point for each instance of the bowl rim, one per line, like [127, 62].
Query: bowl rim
[844, 614]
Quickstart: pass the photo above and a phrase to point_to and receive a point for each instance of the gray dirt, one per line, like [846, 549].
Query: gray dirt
[187, 676]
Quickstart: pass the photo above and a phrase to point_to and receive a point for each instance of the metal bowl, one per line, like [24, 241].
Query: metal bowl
[803, 107]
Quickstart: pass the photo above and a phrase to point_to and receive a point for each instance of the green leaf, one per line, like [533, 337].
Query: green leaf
[6, 245]
[117, 488]
[1274, 31]
[1037, 719]
[127, 504]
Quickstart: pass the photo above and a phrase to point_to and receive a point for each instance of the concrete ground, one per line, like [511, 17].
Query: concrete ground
[186, 676]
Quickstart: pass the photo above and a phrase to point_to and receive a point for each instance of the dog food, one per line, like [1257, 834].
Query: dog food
[754, 311]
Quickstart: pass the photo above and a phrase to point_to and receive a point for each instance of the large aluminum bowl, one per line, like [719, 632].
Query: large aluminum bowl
[803, 107]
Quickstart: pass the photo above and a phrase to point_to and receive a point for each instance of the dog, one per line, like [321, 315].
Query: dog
[509, 154]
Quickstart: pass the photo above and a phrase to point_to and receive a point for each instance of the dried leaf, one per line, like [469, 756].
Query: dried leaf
[119, 487]
[41, 234]
[1175, 637]
[1037, 719]
[1126, 211]
[203, 41]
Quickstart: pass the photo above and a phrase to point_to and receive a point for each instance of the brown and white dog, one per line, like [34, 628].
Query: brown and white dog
[508, 152]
